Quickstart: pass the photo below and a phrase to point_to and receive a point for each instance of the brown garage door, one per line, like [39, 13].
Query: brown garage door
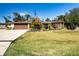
[20, 26]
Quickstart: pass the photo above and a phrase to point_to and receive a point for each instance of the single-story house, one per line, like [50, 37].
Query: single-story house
[27, 25]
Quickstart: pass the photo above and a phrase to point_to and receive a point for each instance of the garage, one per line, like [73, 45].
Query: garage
[21, 26]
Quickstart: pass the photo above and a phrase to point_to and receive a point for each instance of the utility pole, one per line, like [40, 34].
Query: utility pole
[35, 14]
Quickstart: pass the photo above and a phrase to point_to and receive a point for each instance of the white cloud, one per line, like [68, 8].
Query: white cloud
[22, 13]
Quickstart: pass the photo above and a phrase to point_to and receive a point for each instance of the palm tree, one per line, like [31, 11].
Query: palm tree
[18, 17]
[27, 17]
[16, 14]
[7, 20]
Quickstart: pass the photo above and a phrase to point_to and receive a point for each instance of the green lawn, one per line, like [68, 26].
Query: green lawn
[55, 43]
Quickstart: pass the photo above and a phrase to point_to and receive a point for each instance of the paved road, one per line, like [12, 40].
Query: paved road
[7, 36]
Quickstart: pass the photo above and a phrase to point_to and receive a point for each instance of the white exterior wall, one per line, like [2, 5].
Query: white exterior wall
[28, 26]
[12, 26]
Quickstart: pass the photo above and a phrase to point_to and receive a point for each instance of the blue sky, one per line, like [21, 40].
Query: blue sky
[44, 10]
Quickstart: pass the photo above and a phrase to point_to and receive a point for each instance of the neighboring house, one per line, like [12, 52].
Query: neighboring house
[2, 26]
[27, 25]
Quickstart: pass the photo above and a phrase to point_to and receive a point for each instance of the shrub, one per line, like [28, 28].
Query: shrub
[70, 25]
[36, 24]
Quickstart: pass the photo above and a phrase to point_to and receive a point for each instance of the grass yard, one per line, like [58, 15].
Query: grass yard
[55, 43]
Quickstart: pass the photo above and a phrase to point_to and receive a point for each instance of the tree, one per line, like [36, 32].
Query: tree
[72, 18]
[61, 17]
[55, 19]
[73, 15]
[27, 17]
[36, 24]
[18, 17]
[7, 21]
[47, 19]
[33, 19]
[7, 18]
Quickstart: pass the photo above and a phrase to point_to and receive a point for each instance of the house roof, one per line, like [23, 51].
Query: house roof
[2, 23]
[57, 21]
[31, 22]
[46, 22]
[21, 22]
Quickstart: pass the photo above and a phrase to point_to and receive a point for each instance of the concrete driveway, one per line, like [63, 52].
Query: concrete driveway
[7, 36]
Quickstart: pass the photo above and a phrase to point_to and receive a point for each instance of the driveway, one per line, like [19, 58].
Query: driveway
[7, 36]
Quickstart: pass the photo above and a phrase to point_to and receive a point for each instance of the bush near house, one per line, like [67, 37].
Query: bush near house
[36, 24]
[71, 25]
